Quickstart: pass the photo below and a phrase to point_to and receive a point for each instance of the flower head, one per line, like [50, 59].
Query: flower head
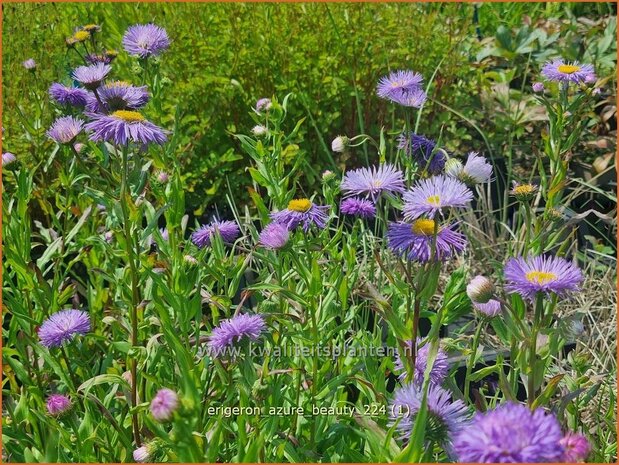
[232, 331]
[81, 36]
[424, 152]
[439, 369]
[538, 87]
[145, 40]
[124, 126]
[523, 192]
[263, 104]
[403, 87]
[8, 158]
[576, 447]
[274, 236]
[164, 404]
[374, 181]
[560, 71]
[228, 230]
[446, 418]
[544, 273]
[339, 144]
[511, 433]
[118, 95]
[58, 404]
[65, 129]
[302, 212]
[416, 241]
[74, 96]
[358, 207]
[63, 326]
[91, 76]
[433, 195]
[30, 64]
[476, 170]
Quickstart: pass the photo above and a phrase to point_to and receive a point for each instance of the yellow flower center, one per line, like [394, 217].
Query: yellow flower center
[524, 189]
[128, 116]
[434, 200]
[81, 36]
[568, 69]
[111, 53]
[300, 205]
[540, 277]
[423, 227]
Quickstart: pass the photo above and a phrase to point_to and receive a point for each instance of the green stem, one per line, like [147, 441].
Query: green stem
[125, 196]
[471, 361]
[539, 307]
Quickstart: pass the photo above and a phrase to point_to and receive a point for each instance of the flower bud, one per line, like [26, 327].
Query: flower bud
[538, 87]
[141, 454]
[259, 130]
[480, 289]
[454, 168]
[58, 404]
[162, 177]
[339, 144]
[164, 404]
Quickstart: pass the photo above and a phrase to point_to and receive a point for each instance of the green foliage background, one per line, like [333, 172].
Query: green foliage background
[225, 56]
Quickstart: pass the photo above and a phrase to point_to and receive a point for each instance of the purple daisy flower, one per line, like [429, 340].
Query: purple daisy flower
[446, 418]
[274, 236]
[511, 433]
[63, 326]
[65, 129]
[415, 241]
[8, 158]
[91, 76]
[30, 64]
[424, 152]
[164, 404]
[302, 212]
[358, 207]
[58, 404]
[228, 230]
[544, 273]
[372, 182]
[490, 309]
[433, 195]
[476, 170]
[560, 71]
[439, 370]
[412, 99]
[399, 85]
[64, 95]
[576, 447]
[118, 95]
[124, 126]
[145, 40]
[232, 331]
